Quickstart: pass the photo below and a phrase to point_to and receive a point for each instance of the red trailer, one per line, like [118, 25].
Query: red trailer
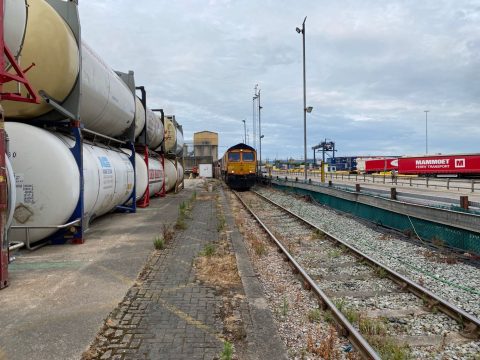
[453, 165]
[379, 165]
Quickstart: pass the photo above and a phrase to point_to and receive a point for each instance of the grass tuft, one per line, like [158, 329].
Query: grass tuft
[314, 315]
[209, 250]
[221, 223]
[159, 243]
[227, 351]
[180, 224]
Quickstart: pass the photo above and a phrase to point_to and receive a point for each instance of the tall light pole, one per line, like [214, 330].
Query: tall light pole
[302, 31]
[260, 136]
[254, 120]
[426, 131]
[244, 131]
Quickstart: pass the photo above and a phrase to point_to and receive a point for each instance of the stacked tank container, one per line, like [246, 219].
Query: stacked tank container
[73, 156]
[173, 148]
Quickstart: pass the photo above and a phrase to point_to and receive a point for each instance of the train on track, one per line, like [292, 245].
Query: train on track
[458, 165]
[238, 167]
[461, 165]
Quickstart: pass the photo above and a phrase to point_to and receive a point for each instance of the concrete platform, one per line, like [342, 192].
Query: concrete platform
[130, 301]
[59, 295]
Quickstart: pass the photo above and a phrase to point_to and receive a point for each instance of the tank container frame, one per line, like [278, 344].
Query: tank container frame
[32, 97]
[66, 117]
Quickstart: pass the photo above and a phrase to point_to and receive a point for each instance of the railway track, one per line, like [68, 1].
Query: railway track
[353, 287]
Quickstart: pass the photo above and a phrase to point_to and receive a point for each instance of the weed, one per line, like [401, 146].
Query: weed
[381, 272]
[328, 317]
[335, 253]
[167, 232]
[370, 326]
[209, 250]
[194, 196]
[326, 347]
[318, 234]
[227, 351]
[259, 247]
[183, 206]
[159, 243]
[339, 304]
[221, 223]
[388, 349]
[181, 224]
[314, 315]
[352, 316]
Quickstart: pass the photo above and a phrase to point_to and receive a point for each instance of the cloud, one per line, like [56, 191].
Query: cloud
[372, 69]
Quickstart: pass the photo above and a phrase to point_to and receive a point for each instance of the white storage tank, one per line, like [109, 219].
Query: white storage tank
[155, 132]
[47, 179]
[156, 176]
[11, 193]
[139, 116]
[107, 104]
[141, 175]
[179, 173]
[171, 175]
[16, 13]
[180, 142]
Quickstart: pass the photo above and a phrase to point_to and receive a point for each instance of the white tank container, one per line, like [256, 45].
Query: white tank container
[11, 193]
[47, 179]
[179, 173]
[171, 175]
[155, 131]
[139, 117]
[141, 179]
[107, 104]
[179, 136]
[155, 175]
[15, 15]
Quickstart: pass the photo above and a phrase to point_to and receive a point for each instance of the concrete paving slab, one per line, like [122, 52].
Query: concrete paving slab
[60, 295]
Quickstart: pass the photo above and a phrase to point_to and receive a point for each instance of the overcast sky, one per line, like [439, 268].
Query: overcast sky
[373, 67]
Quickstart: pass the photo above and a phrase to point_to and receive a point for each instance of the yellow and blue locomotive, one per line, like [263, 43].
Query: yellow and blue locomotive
[238, 166]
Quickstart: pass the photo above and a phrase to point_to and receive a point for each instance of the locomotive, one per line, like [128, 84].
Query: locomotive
[238, 166]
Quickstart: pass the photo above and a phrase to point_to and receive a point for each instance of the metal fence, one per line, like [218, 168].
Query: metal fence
[470, 185]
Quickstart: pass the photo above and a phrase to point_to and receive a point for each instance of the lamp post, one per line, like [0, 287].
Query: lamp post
[244, 131]
[260, 136]
[254, 120]
[302, 31]
[426, 131]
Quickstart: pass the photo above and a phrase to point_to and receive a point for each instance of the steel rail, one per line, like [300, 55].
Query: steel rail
[470, 323]
[358, 341]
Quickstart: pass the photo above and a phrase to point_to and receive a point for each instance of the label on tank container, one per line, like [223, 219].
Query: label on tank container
[107, 172]
[28, 194]
[19, 181]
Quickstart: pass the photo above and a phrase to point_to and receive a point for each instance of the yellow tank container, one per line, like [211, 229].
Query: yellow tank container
[170, 135]
[51, 45]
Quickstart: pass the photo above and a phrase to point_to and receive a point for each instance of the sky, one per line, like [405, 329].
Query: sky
[372, 68]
